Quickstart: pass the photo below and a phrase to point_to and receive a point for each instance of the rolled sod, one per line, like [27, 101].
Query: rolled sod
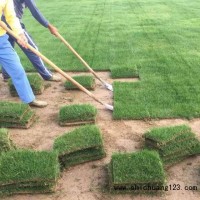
[27, 171]
[77, 114]
[16, 115]
[139, 169]
[36, 82]
[174, 144]
[86, 81]
[124, 72]
[6, 143]
[80, 145]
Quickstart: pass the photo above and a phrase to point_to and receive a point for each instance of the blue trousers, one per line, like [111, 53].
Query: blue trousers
[10, 61]
[34, 59]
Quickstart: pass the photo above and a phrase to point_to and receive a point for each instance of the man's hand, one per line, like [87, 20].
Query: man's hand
[23, 40]
[53, 29]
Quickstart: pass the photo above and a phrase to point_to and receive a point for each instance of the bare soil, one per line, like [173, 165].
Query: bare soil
[89, 181]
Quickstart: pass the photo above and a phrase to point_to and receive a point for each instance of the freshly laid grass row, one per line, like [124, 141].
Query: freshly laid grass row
[6, 143]
[124, 72]
[16, 115]
[27, 171]
[128, 171]
[173, 143]
[80, 145]
[86, 81]
[77, 114]
[36, 82]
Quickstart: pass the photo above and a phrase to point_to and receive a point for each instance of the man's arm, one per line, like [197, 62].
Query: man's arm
[13, 22]
[39, 17]
[11, 18]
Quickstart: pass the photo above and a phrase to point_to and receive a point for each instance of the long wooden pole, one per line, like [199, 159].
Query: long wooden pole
[107, 85]
[107, 106]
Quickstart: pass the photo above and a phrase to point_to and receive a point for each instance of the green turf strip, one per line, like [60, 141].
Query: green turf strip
[5, 142]
[140, 167]
[124, 72]
[163, 135]
[10, 190]
[11, 111]
[27, 165]
[86, 81]
[80, 138]
[76, 113]
[82, 156]
[36, 82]
[179, 147]
[28, 119]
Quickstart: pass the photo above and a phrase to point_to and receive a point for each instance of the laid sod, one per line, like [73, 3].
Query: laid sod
[152, 39]
[6, 143]
[27, 171]
[77, 114]
[80, 145]
[128, 171]
[174, 144]
[86, 81]
[16, 115]
[36, 82]
[124, 72]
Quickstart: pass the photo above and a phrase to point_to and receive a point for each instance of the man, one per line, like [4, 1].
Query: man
[9, 59]
[20, 5]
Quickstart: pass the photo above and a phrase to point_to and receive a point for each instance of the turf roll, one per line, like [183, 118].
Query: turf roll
[77, 114]
[16, 115]
[36, 82]
[27, 171]
[6, 143]
[86, 81]
[174, 143]
[80, 145]
[132, 172]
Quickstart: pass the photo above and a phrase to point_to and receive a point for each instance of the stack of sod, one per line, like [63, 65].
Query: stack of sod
[36, 82]
[173, 143]
[138, 172]
[86, 81]
[77, 114]
[16, 115]
[80, 145]
[6, 143]
[124, 72]
[26, 171]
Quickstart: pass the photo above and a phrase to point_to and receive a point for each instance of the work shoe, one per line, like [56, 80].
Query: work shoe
[55, 78]
[39, 104]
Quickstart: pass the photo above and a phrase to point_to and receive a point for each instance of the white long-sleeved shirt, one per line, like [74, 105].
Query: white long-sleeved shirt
[7, 8]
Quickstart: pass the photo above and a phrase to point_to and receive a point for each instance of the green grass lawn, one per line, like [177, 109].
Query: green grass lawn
[161, 38]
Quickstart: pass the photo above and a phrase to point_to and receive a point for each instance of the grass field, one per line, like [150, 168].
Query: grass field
[161, 38]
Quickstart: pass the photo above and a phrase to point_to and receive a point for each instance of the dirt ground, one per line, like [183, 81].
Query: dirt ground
[89, 181]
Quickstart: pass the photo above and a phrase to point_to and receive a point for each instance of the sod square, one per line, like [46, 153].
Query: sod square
[16, 115]
[77, 114]
[174, 144]
[86, 81]
[160, 136]
[36, 82]
[80, 145]
[23, 171]
[5, 142]
[124, 72]
[136, 169]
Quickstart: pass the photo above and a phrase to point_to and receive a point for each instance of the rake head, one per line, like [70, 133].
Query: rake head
[108, 86]
[109, 107]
